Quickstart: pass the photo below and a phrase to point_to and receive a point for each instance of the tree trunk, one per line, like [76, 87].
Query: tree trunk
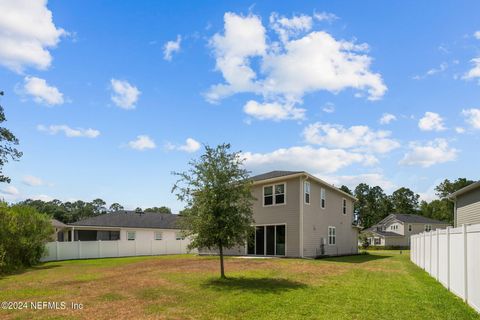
[222, 269]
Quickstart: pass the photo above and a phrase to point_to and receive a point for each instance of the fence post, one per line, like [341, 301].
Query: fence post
[448, 258]
[56, 250]
[79, 249]
[100, 248]
[465, 266]
[424, 250]
[438, 254]
[430, 250]
[118, 248]
[135, 242]
[151, 247]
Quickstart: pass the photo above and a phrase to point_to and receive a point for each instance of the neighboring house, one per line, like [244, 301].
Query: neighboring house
[59, 230]
[118, 234]
[299, 215]
[396, 229]
[467, 204]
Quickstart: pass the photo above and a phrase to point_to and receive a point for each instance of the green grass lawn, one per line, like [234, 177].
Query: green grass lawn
[381, 285]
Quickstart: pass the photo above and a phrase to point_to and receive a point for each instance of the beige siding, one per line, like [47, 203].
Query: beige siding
[317, 220]
[287, 213]
[468, 208]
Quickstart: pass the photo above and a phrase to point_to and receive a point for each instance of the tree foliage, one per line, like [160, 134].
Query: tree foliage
[447, 187]
[23, 234]
[161, 209]
[217, 193]
[372, 204]
[8, 143]
[405, 200]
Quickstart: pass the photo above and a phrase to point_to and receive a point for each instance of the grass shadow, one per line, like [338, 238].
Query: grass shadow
[359, 258]
[27, 269]
[257, 285]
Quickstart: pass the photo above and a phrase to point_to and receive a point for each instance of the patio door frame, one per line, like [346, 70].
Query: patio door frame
[265, 240]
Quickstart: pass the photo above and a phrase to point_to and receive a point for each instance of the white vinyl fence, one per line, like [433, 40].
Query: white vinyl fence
[108, 249]
[451, 256]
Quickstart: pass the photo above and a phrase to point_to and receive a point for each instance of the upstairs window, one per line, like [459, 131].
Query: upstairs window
[306, 189]
[332, 236]
[344, 206]
[274, 194]
[322, 198]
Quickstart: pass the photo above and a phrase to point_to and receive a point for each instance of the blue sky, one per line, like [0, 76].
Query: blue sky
[108, 98]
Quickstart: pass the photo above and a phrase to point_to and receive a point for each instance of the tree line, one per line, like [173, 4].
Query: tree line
[373, 204]
[68, 212]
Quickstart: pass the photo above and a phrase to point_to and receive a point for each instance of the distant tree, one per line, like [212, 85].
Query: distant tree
[217, 192]
[161, 209]
[115, 207]
[345, 189]
[404, 200]
[363, 238]
[372, 204]
[447, 187]
[8, 142]
[138, 210]
[439, 209]
[98, 206]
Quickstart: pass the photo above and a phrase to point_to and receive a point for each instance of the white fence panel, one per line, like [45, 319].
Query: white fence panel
[451, 256]
[108, 249]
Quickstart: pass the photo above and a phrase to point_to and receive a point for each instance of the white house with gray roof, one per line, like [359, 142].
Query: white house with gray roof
[299, 215]
[117, 234]
[395, 230]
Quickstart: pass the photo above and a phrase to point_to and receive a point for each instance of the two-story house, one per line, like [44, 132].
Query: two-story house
[467, 205]
[299, 215]
[395, 230]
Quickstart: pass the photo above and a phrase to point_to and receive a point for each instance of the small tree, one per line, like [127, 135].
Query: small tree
[363, 237]
[217, 193]
[7, 146]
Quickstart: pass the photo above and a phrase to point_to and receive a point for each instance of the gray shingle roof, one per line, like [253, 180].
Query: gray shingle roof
[414, 218]
[57, 224]
[273, 174]
[132, 219]
[386, 233]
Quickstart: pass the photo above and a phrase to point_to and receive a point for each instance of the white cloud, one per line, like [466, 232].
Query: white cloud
[42, 92]
[143, 142]
[68, 131]
[475, 71]
[472, 117]
[359, 138]
[459, 130]
[328, 107]
[43, 197]
[441, 68]
[286, 27]
[10, 191]
[431, 121]
[171, 47]
[304, 61]
[325, 16]
[387, 118]
[191, 145]
[321, 160]
[27, 32]
[32, 181]
[273, 111]
[351, 181]
[124, 94]
[476, 34]
[430, 153]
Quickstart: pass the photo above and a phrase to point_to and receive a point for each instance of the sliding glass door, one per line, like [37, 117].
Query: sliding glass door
[267, 240]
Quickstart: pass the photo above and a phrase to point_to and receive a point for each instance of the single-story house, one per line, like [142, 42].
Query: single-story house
[117, 234]
[396, 229]
[467, 205]
[299, 215]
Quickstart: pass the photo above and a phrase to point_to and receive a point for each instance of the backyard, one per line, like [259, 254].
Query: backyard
[380, 285]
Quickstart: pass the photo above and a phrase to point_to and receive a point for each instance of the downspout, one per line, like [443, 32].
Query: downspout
[301, 217]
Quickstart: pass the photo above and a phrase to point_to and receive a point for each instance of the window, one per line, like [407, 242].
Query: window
[409, 228]
[331, 236]
[179, 236]
[344, 206]
[269, 198]
[377, 241]
[428, 227]
[158, 235]
[322, 198]
[130, 235]
[306, 190]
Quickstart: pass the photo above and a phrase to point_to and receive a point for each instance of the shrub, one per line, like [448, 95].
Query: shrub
[23, 234]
